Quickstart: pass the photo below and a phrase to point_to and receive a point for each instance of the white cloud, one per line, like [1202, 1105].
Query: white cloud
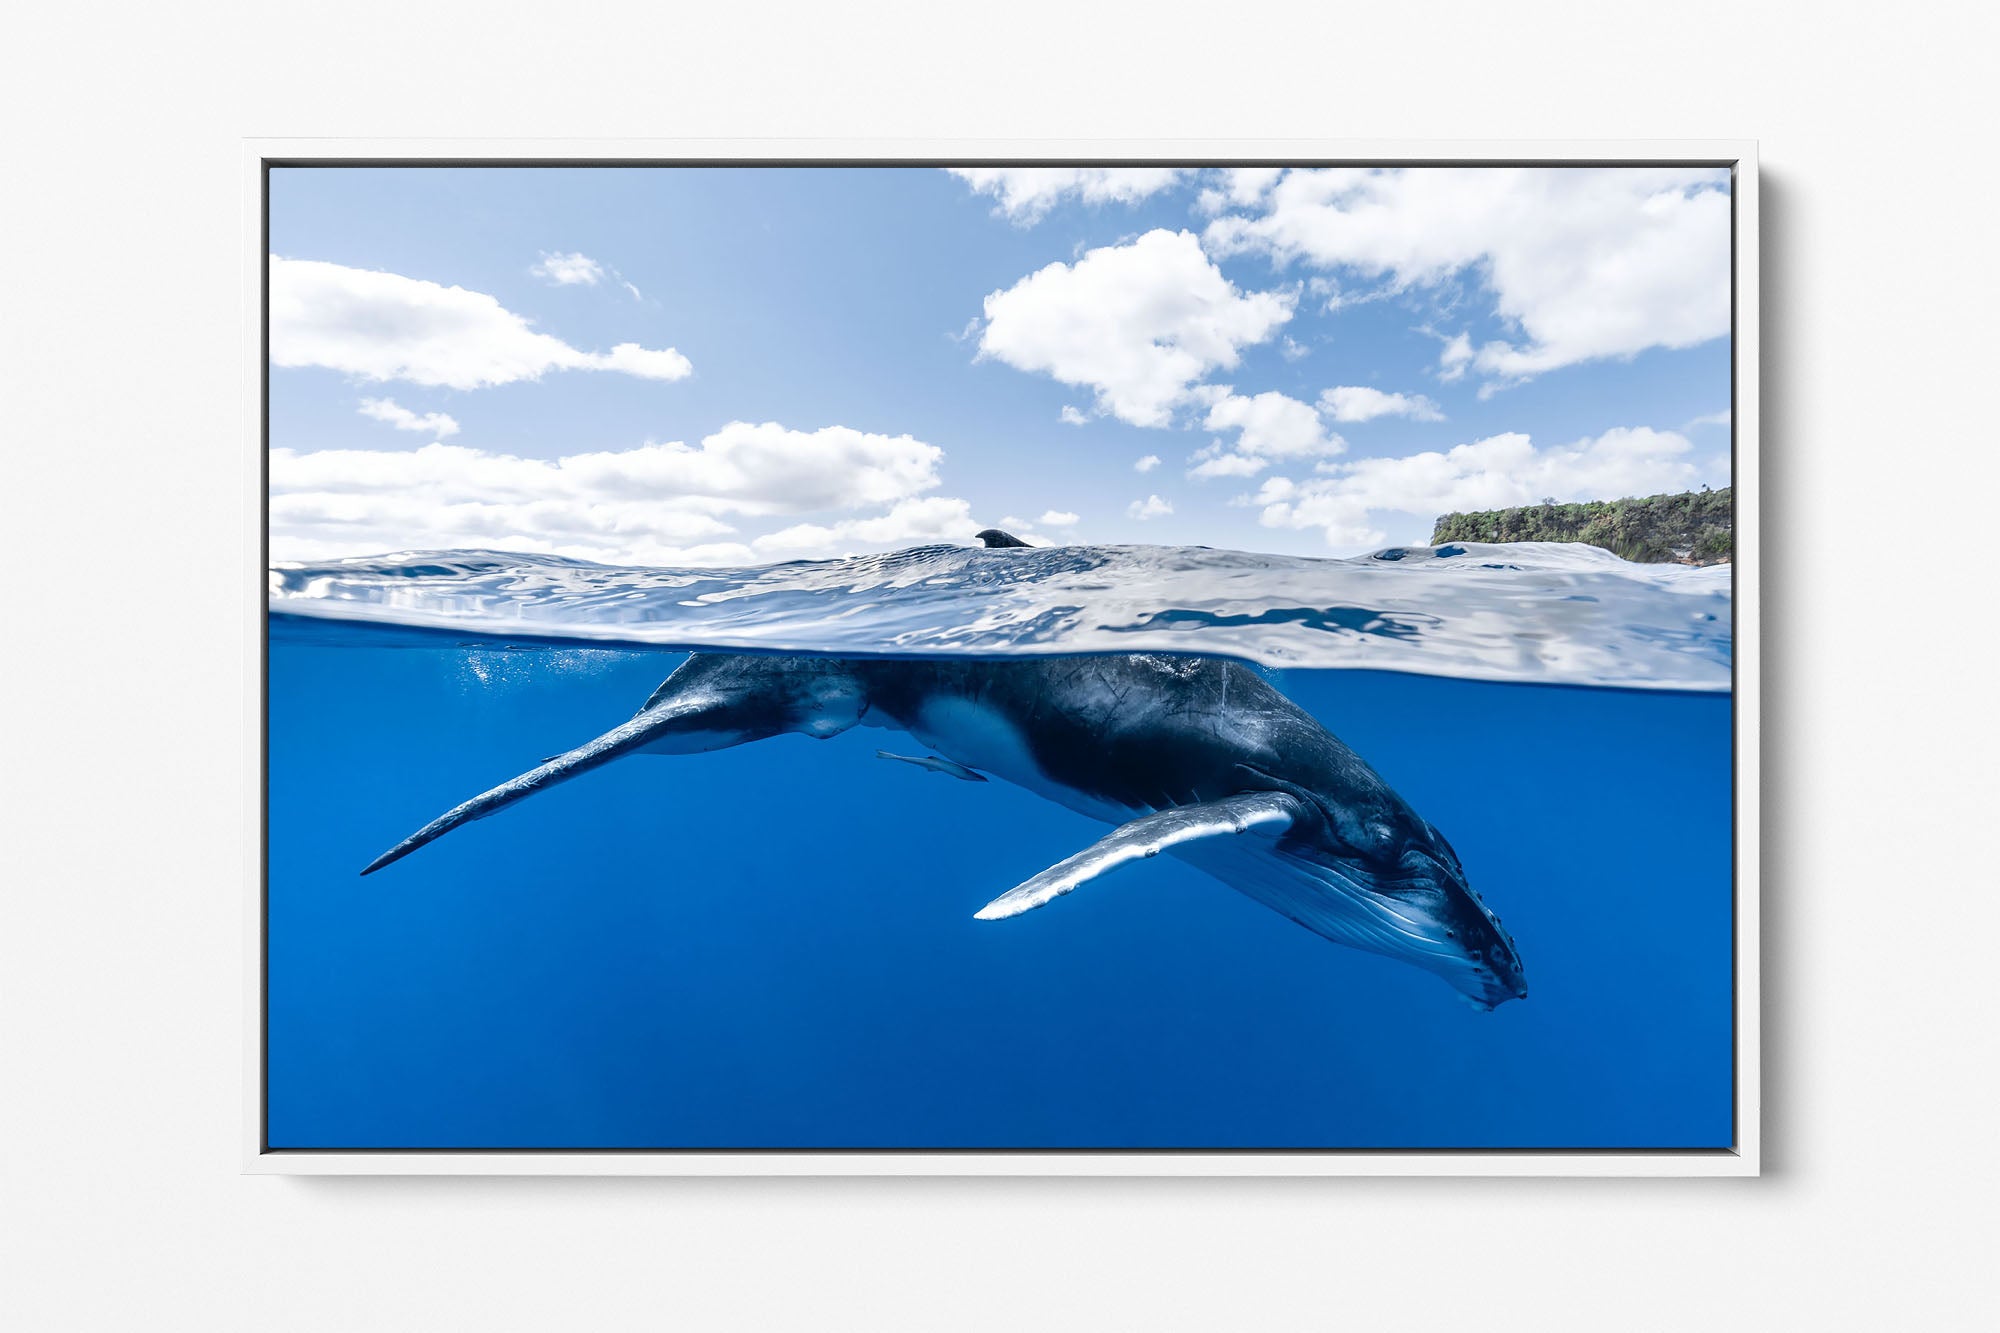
[640, 505]
[1147, 464]
[754, 469]
[572, 270]
[1214, 461]
[1139, 323]
[1331, 298]
[1357, 402]
[1273, 425]
[1710, 419]
[1455, 357]
[1585, 262]
[1026, 194]
[383, 326]
[569, 270]
[911, 522]
[437, 424]
[1237, 187]
[1150, 507]
[311, 525]
[1057, 518]
[645, 362]
[1073, 417]
[1293, 350]
[1493, 473]
[1268, 426]
[1020, 527]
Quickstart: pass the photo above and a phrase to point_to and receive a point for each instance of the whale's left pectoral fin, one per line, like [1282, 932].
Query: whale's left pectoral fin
[935, 764]
[1271, 812]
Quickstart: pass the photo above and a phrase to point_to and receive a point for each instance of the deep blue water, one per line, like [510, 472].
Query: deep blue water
[774, 946]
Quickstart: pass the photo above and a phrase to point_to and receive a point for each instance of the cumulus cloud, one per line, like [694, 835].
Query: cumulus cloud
[931, 519]
[383, 326]
[437, 424]
[1269, 427]
[1357, 402]
[569, 270]
[1237, 187]
[1150, 507]
[1147, 464]
[645, 505]
[646, 362]
[1026, 194]
[1138, 323]
[1216, 460]
[1025, 530]
[1073, 416]
[1057, 518]
[1492, 473]
[1584, 262]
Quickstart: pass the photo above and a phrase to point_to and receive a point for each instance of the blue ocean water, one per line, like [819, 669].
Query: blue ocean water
[773, 946]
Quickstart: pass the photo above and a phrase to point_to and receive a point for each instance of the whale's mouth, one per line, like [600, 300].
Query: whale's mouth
[1419, 911]
[1426, 899]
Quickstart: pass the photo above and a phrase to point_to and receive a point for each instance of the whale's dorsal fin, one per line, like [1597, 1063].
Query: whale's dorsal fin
[1147, 836]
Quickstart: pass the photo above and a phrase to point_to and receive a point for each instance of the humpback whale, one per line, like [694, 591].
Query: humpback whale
[1197, 757]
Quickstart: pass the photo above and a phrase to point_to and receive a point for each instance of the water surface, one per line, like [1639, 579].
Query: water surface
[773, 946]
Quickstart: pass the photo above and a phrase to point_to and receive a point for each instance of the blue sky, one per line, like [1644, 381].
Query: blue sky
[737, 365]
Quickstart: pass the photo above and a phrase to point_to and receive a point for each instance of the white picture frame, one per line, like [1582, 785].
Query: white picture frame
[1741, 1159]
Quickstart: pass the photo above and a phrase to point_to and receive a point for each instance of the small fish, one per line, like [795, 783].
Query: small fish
[935, 765]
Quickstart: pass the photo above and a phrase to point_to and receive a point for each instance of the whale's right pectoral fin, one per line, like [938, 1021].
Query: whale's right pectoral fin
[1270, 812]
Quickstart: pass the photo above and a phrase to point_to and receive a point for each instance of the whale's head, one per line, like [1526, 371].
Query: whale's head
[1454, 933]
[1375, 875]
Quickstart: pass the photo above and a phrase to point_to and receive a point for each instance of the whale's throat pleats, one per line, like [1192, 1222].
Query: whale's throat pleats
[1241, 840]
[1318, 897]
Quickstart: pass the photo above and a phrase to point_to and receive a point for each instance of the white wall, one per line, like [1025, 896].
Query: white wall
[120, 957]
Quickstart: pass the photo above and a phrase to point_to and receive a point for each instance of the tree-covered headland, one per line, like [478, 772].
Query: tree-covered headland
[1692, 528]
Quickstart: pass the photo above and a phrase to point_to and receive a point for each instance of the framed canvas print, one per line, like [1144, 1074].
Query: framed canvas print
[982, 658]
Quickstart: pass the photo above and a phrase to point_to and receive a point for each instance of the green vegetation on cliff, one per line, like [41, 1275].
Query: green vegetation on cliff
[1694, 528]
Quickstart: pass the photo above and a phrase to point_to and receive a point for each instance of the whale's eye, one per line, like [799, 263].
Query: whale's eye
[1375, 840]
